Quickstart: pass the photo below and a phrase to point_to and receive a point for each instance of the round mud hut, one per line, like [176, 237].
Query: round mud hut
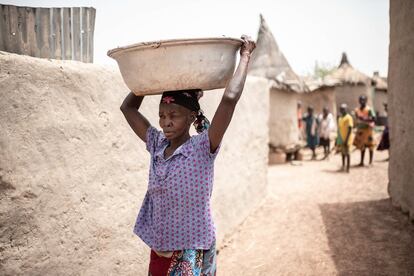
[269, 62]
[350, 84]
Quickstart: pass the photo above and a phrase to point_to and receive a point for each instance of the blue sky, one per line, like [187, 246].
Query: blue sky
[306, 30]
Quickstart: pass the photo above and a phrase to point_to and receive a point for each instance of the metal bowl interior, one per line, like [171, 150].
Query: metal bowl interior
[153, 67]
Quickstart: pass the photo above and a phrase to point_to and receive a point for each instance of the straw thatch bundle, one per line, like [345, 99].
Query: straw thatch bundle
[314, 84]
[346, 74]
[269, 62]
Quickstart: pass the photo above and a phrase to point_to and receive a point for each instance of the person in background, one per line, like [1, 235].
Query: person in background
[300, 119]
[365, 122]
[344, 138]
[385, 138]
[326, 126]
[312, 125]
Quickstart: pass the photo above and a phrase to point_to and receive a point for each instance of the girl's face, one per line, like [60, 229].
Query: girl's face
[175, 120]
[363, 102]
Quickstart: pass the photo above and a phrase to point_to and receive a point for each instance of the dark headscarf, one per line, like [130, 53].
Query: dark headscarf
[186, 98]
[189, 100]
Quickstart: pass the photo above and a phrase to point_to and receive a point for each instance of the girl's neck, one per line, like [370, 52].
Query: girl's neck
[175, 143]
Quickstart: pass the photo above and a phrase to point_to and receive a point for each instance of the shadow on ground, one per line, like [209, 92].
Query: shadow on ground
[369, 238]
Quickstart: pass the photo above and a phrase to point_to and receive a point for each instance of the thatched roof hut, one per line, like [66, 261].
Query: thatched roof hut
[321, 94]
[346, 74]
[350, 84]
[269, 62]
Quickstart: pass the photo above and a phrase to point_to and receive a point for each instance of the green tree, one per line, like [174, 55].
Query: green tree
[322, 69]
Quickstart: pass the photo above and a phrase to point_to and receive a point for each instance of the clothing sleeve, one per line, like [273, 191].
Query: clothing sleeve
[153, 138]
[350, 122]
[203, 145]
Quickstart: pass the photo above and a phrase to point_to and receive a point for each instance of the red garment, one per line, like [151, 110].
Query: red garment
[158, 265]
[300, 121]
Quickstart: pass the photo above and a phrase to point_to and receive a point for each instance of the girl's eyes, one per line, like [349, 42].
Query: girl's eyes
[170, 115]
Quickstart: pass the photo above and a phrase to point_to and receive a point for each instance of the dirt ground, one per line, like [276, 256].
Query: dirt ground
[318, 221]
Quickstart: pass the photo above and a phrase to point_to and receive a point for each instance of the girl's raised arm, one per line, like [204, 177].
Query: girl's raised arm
[135, 119]
[232, 93]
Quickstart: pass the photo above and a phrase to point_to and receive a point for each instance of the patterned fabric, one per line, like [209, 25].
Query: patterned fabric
[365, 113]
[364, 138]
[188, 262]
[175, 213]
[186, 98]
[209, 261]
[365, 135]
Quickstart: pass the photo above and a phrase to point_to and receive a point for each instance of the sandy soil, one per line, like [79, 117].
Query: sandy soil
[317, 221]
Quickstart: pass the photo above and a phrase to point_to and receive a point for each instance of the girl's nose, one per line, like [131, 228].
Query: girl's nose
[168, 123]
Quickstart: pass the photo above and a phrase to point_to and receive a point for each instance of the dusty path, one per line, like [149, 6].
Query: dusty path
[317, 221]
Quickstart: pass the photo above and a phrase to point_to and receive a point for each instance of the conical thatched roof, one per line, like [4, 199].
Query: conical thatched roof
[269, 62]
[345, 73]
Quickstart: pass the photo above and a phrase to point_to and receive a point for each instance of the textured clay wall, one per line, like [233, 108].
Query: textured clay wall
[349, 94]
[401, 103]
[241, 167]
[73, 174]
[319, 99]
[283, 124]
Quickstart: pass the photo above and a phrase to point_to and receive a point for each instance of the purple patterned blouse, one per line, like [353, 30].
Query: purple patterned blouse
[175, 213]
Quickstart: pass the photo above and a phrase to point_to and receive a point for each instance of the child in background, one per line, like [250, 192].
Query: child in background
[327, 125]
[365, 122]
[311, 126]
[175, 218]
[344, 140]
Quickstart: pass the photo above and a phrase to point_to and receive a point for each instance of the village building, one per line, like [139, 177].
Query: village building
[344, 85]
[349, 84]
[269, 62]
[320, 94]
[380, 96]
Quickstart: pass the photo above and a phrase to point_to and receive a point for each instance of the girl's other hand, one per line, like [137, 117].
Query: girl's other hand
[248, 45]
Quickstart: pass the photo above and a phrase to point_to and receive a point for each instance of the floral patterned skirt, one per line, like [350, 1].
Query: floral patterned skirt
[364, 138]
[188, 262]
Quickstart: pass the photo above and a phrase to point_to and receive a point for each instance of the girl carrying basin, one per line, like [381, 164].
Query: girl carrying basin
[175, 218]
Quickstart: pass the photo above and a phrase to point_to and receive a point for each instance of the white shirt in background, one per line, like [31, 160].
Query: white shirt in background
[327, 125]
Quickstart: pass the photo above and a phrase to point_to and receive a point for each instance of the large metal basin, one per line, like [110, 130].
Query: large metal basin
[153, 67]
